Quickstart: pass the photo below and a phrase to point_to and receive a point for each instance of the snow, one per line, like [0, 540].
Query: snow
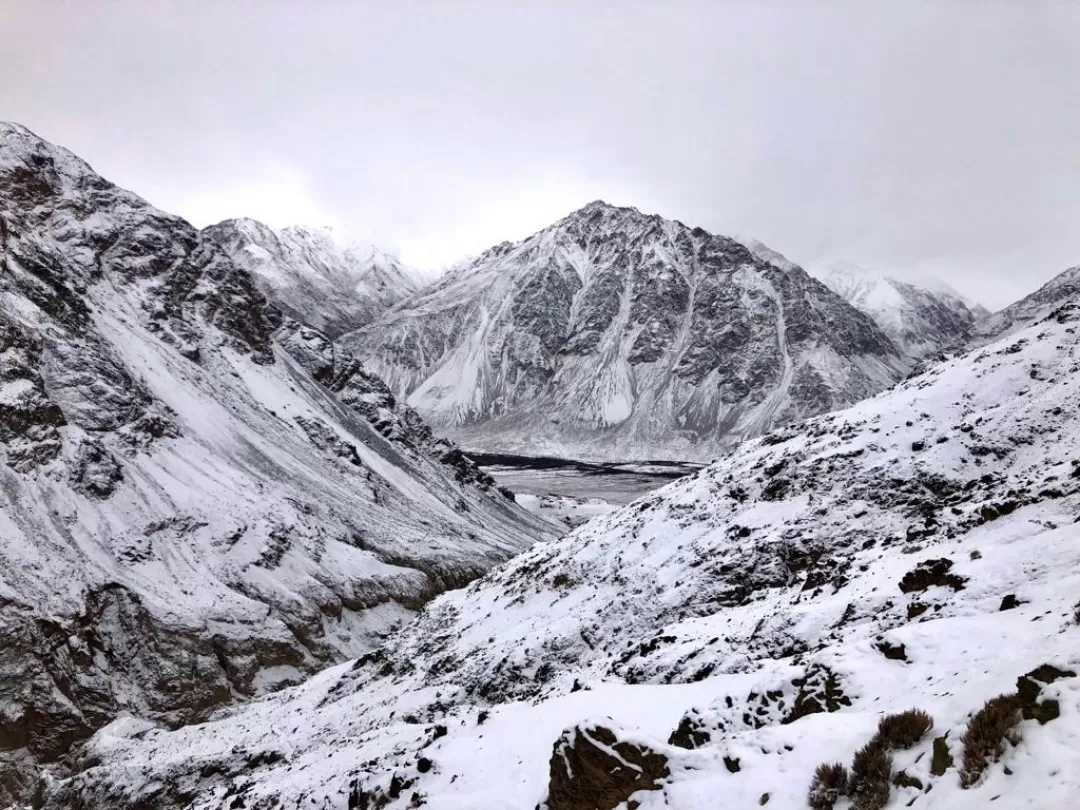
[636, 608]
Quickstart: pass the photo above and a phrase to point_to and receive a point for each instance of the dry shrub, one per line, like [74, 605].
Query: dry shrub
[984, 740]
[828, 785]
[905, 729]
[871, 771]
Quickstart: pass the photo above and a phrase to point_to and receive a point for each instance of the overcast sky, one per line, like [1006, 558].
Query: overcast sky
[940, 138]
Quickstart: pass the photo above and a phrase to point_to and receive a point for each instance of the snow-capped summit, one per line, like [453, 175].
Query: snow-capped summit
[314, 276]
[923, 316]
[616, 334]
[200, 499]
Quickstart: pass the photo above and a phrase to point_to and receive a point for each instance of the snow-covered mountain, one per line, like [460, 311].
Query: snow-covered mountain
[612, 334]
[719, 639]
[1030, 308]
[923, 317]
[200, 499]
[314, 278]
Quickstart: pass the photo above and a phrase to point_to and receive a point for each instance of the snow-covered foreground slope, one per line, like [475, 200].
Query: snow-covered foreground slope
[617, 335]
[315, 279]
[199, 499]
[717, 639]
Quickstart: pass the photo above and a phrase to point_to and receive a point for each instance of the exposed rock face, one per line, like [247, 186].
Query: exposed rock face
[592, 769]
[1030, 308]
[312, 277]
[619, 335]
[370, 397]
[199, 499]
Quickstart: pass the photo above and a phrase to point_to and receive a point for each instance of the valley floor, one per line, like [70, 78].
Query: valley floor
[570, 492]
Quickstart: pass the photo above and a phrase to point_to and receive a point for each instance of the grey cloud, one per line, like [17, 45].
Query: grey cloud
[940, 137]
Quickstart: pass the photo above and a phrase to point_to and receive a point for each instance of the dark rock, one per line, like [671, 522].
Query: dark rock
[931, 573]
[894, 652]
[916, 609]
[820, 690]
[1029, 687]
[691, 732]
[584, 776]
[1009, 602]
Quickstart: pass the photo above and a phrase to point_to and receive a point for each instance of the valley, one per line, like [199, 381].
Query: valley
[573, 492]
[283, 526]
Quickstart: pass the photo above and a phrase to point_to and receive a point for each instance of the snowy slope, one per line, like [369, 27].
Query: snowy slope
[318, 281]
[613, 334]
[1030, 308]
[922, 316]
[200, 500]
[739, 627]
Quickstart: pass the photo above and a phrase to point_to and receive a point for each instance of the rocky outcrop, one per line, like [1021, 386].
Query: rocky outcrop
[592, 769]
[371, 398]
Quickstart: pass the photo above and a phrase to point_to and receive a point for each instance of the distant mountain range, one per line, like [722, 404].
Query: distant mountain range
[613, 334]
[312, 277]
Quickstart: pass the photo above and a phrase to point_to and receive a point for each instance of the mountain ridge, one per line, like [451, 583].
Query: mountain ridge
[306, 271]
[625, 334]
[1031, 307]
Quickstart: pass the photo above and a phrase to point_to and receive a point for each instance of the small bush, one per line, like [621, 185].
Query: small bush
[905, 729]
[984, 740]
[871, 771]
[828, 785]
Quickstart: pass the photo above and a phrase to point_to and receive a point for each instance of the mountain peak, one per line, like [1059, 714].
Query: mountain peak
[607, 209]
[312, 274]
[22, 148]
[624, 335]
